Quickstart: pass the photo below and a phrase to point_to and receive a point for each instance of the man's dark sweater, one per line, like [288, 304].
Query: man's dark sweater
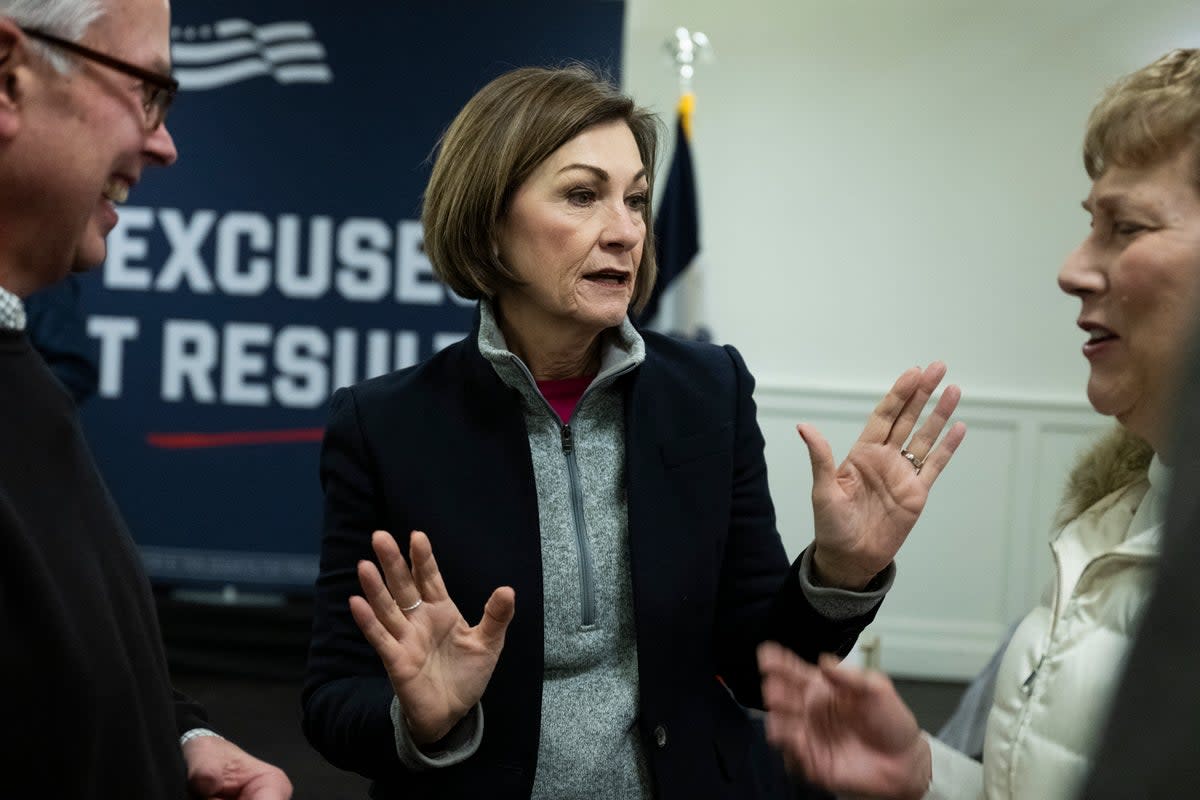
[88, 710]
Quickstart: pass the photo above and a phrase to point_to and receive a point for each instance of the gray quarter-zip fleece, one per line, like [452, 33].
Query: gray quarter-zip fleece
[590, 746]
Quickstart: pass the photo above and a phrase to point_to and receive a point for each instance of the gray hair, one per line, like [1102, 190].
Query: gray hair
[69, 19]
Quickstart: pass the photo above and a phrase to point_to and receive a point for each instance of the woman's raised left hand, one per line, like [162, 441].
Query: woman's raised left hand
[864, 509]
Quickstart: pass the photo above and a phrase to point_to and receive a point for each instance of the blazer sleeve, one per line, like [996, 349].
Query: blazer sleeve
[346, 697]
[759, 596]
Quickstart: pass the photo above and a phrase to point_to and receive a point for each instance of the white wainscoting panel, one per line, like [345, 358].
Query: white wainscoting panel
[978, 558]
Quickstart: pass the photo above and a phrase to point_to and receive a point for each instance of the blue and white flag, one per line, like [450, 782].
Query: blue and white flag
[233, 50]
[676, 304]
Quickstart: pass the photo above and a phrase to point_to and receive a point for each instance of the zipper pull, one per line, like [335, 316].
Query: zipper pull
[1027, 686]
[568, 444]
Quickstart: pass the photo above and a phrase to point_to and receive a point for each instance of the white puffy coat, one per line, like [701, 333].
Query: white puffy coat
[1061, 667]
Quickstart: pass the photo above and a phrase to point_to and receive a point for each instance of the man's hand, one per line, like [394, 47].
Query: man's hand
[218, 768]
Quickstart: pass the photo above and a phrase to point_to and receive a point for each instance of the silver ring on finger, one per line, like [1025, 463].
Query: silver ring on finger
[913, 459]
[413, 607]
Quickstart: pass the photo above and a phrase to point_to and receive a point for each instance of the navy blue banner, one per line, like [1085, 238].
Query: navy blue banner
[281, 258]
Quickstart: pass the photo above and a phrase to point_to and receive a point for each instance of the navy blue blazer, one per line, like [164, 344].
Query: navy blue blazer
[442, 447]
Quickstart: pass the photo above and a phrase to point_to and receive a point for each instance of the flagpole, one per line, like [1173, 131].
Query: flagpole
[686, 313]
[685, 47]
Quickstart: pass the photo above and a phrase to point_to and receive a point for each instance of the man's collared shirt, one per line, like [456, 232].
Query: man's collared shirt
[12, 311]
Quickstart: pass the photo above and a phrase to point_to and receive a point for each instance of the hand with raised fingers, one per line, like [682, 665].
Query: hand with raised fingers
[864, 509]
[843, 728]
[439, 665]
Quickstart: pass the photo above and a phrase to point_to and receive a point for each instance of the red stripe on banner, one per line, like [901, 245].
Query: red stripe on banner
[193, 441]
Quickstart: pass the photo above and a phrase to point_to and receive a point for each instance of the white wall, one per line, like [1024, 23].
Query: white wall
[884, 183]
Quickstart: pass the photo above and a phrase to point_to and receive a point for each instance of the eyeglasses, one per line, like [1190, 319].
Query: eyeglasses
[158, 90]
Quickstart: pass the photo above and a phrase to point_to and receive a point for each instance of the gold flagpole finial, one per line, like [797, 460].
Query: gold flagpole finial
[686, 47]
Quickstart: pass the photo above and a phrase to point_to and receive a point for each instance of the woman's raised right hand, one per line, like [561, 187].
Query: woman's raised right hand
[438, 664]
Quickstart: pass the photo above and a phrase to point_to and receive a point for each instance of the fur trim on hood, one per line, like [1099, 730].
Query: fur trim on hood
[1118, 459]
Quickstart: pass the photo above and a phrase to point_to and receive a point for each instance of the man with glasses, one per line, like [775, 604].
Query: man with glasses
[89, 711]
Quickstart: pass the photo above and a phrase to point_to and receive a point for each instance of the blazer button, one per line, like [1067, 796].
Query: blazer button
[660, 736]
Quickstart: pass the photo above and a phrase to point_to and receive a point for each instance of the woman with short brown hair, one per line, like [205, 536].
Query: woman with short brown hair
[599, 491]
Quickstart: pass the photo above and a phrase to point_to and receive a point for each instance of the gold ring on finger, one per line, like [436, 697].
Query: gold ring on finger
[913, 459]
